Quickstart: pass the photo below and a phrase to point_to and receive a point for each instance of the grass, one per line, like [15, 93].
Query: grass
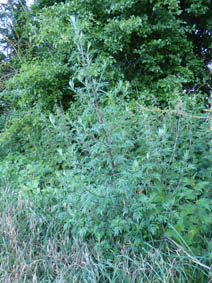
[33, 250]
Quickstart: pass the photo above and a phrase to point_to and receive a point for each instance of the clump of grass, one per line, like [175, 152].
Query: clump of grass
[32, 250]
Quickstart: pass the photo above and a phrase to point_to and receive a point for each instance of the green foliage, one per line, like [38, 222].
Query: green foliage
[154, 47]
[114, 171]
[35, 249]
[161, 187]
[83, 144]
[42, 84]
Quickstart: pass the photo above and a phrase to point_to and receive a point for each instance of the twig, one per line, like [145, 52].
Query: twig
[175, 142]
[175, 112]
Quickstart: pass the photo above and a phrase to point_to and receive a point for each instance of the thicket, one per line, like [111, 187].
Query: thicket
[105, 143]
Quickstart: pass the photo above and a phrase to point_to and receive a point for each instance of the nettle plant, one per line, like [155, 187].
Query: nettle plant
[130, 173]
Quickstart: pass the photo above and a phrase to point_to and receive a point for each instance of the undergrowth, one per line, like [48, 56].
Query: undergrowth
[34, 250]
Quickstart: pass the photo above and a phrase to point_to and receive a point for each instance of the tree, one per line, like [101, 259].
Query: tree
[39, 4]
[153, 45]
[197, 14]
[14, 42]
[14, 19]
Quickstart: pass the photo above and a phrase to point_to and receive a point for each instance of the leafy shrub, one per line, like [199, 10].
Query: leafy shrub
[111, 170]
[117, 171]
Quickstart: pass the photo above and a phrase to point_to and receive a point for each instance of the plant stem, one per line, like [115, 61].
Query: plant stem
[96, 107]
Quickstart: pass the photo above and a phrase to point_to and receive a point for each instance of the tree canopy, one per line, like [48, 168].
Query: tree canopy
[158, 47]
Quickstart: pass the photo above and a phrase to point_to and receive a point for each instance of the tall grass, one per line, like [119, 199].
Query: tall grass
[34, 250]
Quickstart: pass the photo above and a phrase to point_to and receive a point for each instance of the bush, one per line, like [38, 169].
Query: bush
[112, 172]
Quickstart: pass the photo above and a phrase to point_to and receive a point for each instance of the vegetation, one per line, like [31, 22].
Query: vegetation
[105, 142]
